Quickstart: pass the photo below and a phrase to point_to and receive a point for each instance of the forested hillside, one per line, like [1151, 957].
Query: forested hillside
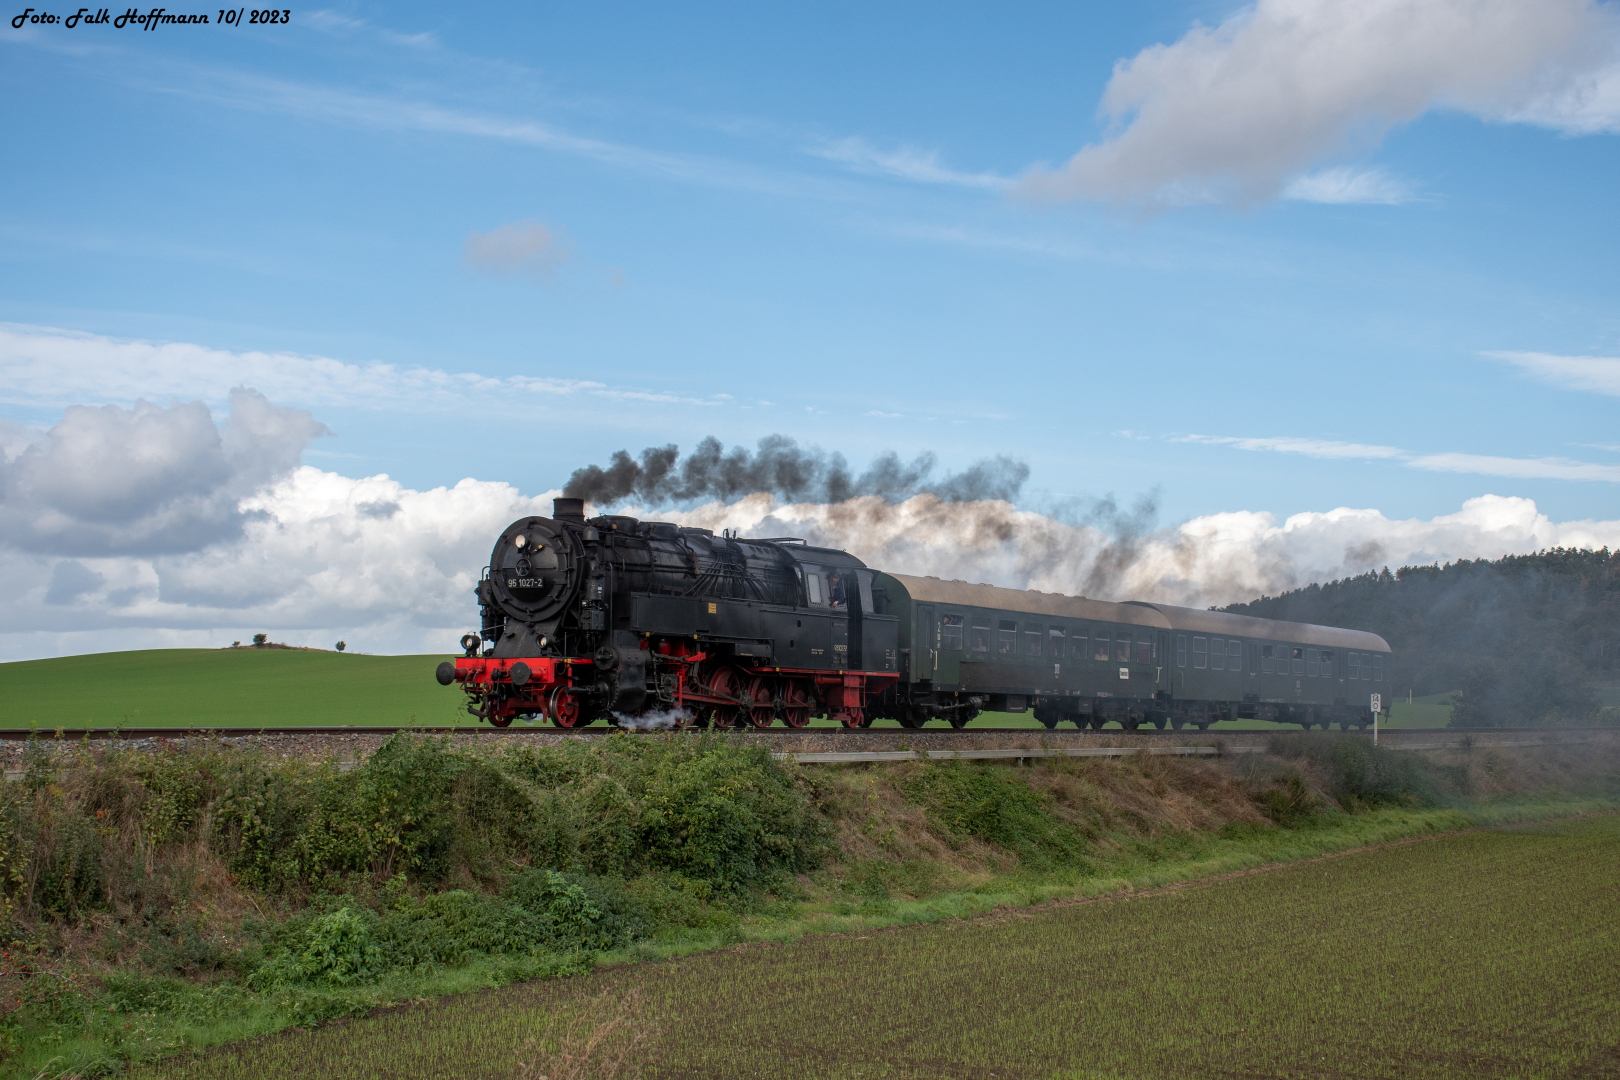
[1524, 639]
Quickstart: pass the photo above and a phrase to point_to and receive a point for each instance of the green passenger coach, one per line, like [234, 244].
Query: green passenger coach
[966, 648]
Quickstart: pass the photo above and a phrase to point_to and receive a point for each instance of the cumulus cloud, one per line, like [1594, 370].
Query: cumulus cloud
[1598, 374]
[110, 480]
[391, 569]
[1238, 112]
[520, 247]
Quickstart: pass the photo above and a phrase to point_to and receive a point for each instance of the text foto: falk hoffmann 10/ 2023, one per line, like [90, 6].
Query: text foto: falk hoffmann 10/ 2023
[151, 20]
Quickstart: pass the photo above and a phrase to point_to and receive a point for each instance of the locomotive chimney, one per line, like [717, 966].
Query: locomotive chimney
[568, 509]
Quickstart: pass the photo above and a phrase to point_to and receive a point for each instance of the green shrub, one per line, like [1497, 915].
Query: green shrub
[993, 803]
[1360, 774]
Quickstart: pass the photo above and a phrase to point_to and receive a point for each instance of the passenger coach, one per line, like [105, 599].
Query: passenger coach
[967, 647]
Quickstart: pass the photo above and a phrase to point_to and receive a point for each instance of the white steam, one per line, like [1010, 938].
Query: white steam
[657, 720]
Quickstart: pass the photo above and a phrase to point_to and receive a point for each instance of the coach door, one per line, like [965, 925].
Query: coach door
[924, 644]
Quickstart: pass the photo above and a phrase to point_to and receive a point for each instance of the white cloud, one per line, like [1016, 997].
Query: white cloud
[1235, 113]
[1599, 374]
[43, 366]
[1349, 185]
[526, 247]
[905, 163]
[1540, 468]
[1544, 468]
[110, 480]
[1317, 448]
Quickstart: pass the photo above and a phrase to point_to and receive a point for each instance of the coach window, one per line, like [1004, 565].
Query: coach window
[1181, 650]
[1217, 654]
[1100, 639]
[981, 634]
[1007, 638]
[812, 588]
[1268, 660]
[1122, 648]
[1378, 668]
[1312, 663]
[1078, 644]
[1057, 641]
[1350, 665]
[1299, 661]
[1034, 637]
[1144, 650]
[1200, 652]
[1234, 655]
[950, 632]
[1327, 663]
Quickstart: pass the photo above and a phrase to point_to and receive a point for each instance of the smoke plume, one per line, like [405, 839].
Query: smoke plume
[783, 469]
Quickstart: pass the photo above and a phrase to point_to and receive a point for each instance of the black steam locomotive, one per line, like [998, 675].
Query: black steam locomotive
[637, 620]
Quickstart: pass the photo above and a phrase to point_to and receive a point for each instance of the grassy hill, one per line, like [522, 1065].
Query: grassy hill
[225, 687]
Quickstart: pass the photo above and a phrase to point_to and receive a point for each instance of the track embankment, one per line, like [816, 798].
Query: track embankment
[355, 744]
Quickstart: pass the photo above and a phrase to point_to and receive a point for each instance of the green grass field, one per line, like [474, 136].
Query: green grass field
[1483, 954]
[224, 688]
[277, 687]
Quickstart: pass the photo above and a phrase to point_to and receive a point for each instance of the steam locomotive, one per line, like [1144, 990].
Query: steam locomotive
[640, 621]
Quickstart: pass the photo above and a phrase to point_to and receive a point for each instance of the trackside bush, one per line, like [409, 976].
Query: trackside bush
[1359, 774]
[994, 804]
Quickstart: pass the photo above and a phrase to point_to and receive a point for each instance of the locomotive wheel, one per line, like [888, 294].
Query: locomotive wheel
[762, 713]
[723, 683]
[563, 708]
[854, 717]
[501, 721]
[795, 704]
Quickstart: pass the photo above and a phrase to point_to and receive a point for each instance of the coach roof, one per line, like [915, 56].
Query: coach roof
[931, 590]
[1197, 621]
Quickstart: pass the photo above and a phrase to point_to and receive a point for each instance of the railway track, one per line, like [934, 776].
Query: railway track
[134, 733]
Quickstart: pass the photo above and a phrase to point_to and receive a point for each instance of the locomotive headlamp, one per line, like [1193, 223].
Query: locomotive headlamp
[469, 643]
[519, 541]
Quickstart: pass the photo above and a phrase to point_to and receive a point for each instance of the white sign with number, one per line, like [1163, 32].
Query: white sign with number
[1378, 703]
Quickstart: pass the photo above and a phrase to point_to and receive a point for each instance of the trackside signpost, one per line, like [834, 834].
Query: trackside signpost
[1377, 703]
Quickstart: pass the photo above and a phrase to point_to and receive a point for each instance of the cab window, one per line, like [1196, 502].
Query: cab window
[950, 632]
[812, 588]
[1056, 642]
[1200, 652]
[981, 634]
[1007, 638]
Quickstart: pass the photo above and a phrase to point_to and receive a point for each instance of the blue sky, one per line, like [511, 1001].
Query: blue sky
[1297, 265]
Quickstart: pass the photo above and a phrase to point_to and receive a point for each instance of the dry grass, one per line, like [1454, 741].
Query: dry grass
[602, 1038]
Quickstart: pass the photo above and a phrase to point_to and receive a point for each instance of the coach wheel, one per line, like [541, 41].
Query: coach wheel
[1202, 725]
[762, 711]
[1177, 724]
[795, 704]
[1158, 722]
[909, 718]
[1097, 723]
[958, 720]
[1130, 723]
[563, 708]
[1050, 725]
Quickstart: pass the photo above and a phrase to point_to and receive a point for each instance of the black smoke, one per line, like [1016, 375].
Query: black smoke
[661, 477]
